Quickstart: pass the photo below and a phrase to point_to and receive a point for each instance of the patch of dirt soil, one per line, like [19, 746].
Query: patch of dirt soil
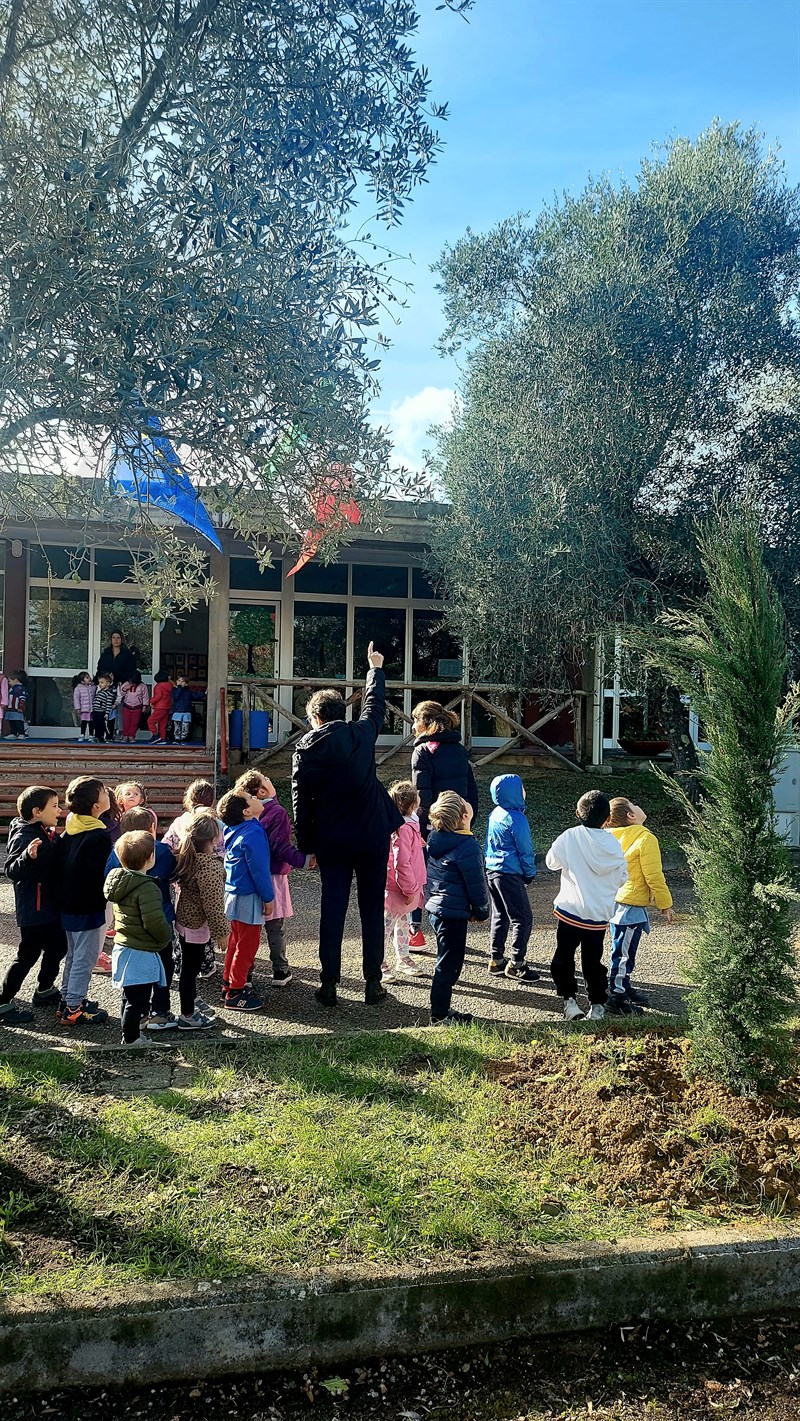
[656, 1135]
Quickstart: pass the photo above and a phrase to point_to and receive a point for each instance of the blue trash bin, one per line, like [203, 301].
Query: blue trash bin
[259, 730]
[235, 730]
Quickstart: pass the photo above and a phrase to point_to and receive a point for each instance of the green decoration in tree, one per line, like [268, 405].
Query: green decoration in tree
[729, 655]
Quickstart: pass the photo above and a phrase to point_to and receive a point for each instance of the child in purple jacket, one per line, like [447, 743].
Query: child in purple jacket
[283, 858]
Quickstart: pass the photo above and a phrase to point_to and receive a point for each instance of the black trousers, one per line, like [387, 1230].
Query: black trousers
[161, 1001]
[102, 729]
[512, 911]
[562, 968]
[135, 1005]
[451, 941]
[192, 955]
[45, 940]
[336, 874]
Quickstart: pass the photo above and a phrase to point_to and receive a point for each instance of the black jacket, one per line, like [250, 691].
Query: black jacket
[456, 885]
[438, 762]
[340, 806]
[121, 666]
[81, 871]
[33, 879]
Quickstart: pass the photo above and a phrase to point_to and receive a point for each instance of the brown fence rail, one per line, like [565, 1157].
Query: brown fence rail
[457, 697]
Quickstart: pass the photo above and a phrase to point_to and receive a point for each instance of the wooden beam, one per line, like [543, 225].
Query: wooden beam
[528, 734]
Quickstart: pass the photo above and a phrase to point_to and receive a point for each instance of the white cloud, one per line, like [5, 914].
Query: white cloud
[410, 419]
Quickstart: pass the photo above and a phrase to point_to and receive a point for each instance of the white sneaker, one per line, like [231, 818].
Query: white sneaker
[598, 1012]
[409, 969]
[572, 1011]
[141, 1044]
[387, 974]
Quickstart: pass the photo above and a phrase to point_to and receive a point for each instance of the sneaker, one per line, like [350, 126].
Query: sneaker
[374, 992]
[243, 1001]
[387, 974]
[43, 996]
[618, 1005]
[407, 968]
[597, 1012]
[281, 978]
[166, 1021]
[521, 972]
[11, 1015]
[62, 1007]
[572, 1011]
[639, 999]
[140, 1044]
[103, 965]
[82, 1016]
[453, 1018]
[156, 740]
[224, 988]
[209, 972]
[497, 966]
[205, 1008]
[417, 939]
[197, 1021]
[326, 994]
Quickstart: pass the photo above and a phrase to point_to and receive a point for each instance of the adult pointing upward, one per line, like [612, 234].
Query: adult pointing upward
[345, 816]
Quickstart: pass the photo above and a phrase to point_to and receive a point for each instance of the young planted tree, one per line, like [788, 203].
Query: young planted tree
[175, 185]
[729, 655]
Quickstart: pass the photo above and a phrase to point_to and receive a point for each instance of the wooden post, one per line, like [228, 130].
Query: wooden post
[246, 700]
[467, 721]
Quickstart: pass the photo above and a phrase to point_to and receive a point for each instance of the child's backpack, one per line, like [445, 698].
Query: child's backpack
[17, 698]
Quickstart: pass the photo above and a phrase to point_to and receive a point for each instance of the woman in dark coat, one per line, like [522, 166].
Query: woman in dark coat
[438, 762]
[117, 659]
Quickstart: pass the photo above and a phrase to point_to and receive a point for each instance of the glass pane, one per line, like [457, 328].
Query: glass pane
[130, 617]
[183, 646]
[386, 627]
[315, 577]
[246, 576]
[320, 645]
[375, 581]
[436, 653]
[422, 587]
[58, 627]
[113, 565]
[66, 564]
[50, 700]
[251, 641]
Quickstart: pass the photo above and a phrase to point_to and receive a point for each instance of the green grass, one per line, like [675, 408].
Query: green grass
[377, 1149]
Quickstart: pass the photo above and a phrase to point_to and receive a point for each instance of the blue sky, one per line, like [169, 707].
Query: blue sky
[544, 92]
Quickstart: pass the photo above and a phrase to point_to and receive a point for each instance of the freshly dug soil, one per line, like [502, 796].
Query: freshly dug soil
[653, 1134]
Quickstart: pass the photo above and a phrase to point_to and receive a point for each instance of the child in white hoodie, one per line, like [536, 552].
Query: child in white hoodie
[593, 867]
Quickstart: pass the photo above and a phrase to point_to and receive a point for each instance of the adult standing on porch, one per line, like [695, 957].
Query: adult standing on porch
[345, 816]
[439, 762]
[117, 659]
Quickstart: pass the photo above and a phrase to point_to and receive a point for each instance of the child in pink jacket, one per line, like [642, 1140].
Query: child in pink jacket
[134, 698]
[405, 881]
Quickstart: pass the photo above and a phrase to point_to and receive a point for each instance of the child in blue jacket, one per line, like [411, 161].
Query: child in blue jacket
[249, 894]
[510, 867]
[456, 896]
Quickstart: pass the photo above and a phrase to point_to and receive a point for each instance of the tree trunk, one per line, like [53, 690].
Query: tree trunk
[684, 754]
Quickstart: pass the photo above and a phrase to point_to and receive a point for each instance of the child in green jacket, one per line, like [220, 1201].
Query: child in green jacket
[141, 931]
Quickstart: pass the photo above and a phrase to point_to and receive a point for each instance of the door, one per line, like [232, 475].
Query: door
[129, 616]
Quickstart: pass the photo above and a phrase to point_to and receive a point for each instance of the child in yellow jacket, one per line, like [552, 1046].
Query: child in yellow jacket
[645, 884]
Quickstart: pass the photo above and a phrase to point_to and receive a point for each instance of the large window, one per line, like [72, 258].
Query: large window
[69, 564]
[386, 627]
[436, 653]
[246, 576]
[251, 641]
[58, 627]
[374, 580]
[320, 645]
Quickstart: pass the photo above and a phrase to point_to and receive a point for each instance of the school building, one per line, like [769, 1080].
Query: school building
[64, 587]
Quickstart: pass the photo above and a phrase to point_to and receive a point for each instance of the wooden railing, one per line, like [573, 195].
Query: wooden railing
[453, 697]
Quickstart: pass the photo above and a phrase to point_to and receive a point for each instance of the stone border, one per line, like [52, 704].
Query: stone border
[179, 1332]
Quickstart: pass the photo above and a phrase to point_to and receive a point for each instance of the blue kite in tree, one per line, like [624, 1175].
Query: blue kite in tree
[147, 469]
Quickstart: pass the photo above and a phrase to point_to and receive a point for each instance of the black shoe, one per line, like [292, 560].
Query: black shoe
[326, 994]
[375, 992]
[453, 1018]
[497, 966]
[521, 972]
[638, 998]
[617, 1005]
[11, 1015]
[43, 996]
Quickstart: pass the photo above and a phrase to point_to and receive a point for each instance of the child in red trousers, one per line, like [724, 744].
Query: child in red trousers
[249, 894]
[160, 707]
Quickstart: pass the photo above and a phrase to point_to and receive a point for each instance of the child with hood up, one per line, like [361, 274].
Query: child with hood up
[510, 867]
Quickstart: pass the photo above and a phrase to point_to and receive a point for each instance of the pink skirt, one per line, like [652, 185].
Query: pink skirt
[283, 899]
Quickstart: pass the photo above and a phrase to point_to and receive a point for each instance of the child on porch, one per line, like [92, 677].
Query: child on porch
[102, 706]
[134, 699]
[17, 704]
[83, 703]
[181, 711]
[160, 707]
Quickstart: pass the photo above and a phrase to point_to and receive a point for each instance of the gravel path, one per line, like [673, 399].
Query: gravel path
[292, 1010]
